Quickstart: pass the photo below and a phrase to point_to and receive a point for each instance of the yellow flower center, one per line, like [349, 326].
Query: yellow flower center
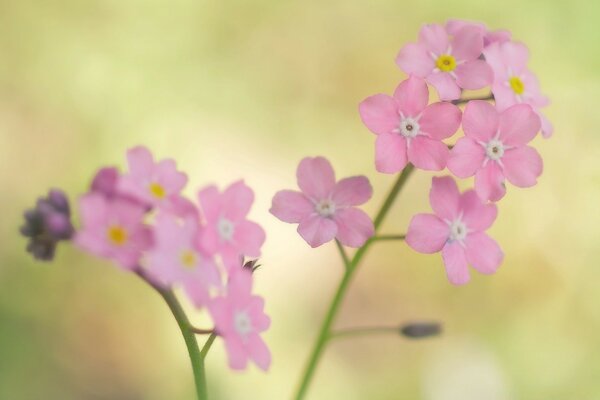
[117, 235]
[516, 84]
[157, 190]
[188, 259]
[446, 63]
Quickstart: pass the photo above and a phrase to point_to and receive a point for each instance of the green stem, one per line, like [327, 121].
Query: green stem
[343, 253]
[351, 266]
[466, 100]
[388, 237]
[364, 331]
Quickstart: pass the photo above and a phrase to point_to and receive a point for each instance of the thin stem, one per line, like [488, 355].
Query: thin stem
[343, 253]
[207, 345]
[464, 101]
[388, 237]
[325, 331]
[189, 336]
[351, 332]
[199, 331]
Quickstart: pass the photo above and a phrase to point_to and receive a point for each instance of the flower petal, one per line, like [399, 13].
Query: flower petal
[354, 227]
[483, 253]
[547, 128]
[444, 197]
[236, 353]
[434, 38]
[466, 157]
[352, 191]
[249, 238]
[455, 261]
[237, 200]
[445, 85]
[315, 177]
[427, 233]
[290, 206]
[317, 230]
[489, 182]
[414, 59]
[478, 216]
[390, 153]
[412, 96]
[440, 120]
[518, 125]
[259, 352]
[210, 202]
[468, 43]
[522, 166]
[515, 55]
[140, 162]
[428, 154]
[480, 120]
[379, 113]
[474, 74]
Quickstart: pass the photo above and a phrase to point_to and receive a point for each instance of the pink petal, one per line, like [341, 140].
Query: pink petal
[93, 210]
[259, 352]
[504, 96]
[390, 153]
[412, 96]
[480, 120]
[445, 85]
[500, 36]
[209, 240]
[354, 227]
[444, 197]
[352, 191]
[291, 206]
[210, 202]
[379, 113]
[515, 54]
[237, 200]
[455, 261]
[238, 358]
[474, 74]
[315, 177]
[197, 292]
[428, 154]
[522, 166]
[249, 238]
[455, 25]
[221, 314]
[427, 233]
[518, 125]
[440, 120]
[239, 286]
[466, 157]
[434, 38]
[489, 182]
[547, 128]
[468, 43]
[260, 321]
[167, 174]
[483, 253]
[415, 60]
[140, 161]
[317, 230]
[475, 214]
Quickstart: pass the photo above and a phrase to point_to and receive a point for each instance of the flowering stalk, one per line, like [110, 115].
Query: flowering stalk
[351, 266]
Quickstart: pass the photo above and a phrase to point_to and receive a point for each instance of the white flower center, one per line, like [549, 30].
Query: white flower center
[494, 149]
[242, 323]
[409, 127]
[458, 230]
[325, 208]
[225, 228]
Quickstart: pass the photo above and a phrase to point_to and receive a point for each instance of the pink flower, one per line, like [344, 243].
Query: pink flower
[489, 37]
[177, 259]
[227, 230]
[494, 148]
[457, 230]
[513, 82]
[448, 64]
[239, 319]
[113, 229]
[325, 209]
[408, 129]
[153, 183]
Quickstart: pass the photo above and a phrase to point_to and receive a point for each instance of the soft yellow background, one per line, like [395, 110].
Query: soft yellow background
[245, 89]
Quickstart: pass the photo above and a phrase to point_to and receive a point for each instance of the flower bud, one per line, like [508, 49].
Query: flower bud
[420, 330]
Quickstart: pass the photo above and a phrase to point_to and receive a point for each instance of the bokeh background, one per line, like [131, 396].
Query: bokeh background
[245, 89]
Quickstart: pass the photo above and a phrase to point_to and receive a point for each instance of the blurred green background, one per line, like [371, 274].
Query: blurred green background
[245, 89]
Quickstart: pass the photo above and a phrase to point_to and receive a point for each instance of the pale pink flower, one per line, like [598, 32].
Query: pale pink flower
[154, 183]
[113, 229]
[447, 63]
[325, 209]
[494, 148]
[407, 129]
[457, 230]
[176, 258]
[514, 83]
[489, 37]
[227, 230]
[239, 319]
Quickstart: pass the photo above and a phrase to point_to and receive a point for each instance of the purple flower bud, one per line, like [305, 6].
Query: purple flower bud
[105, 181]
[419, 330]
[47, 224]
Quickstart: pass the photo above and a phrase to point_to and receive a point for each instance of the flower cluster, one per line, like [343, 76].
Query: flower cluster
[143, 223]
[458, 56]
